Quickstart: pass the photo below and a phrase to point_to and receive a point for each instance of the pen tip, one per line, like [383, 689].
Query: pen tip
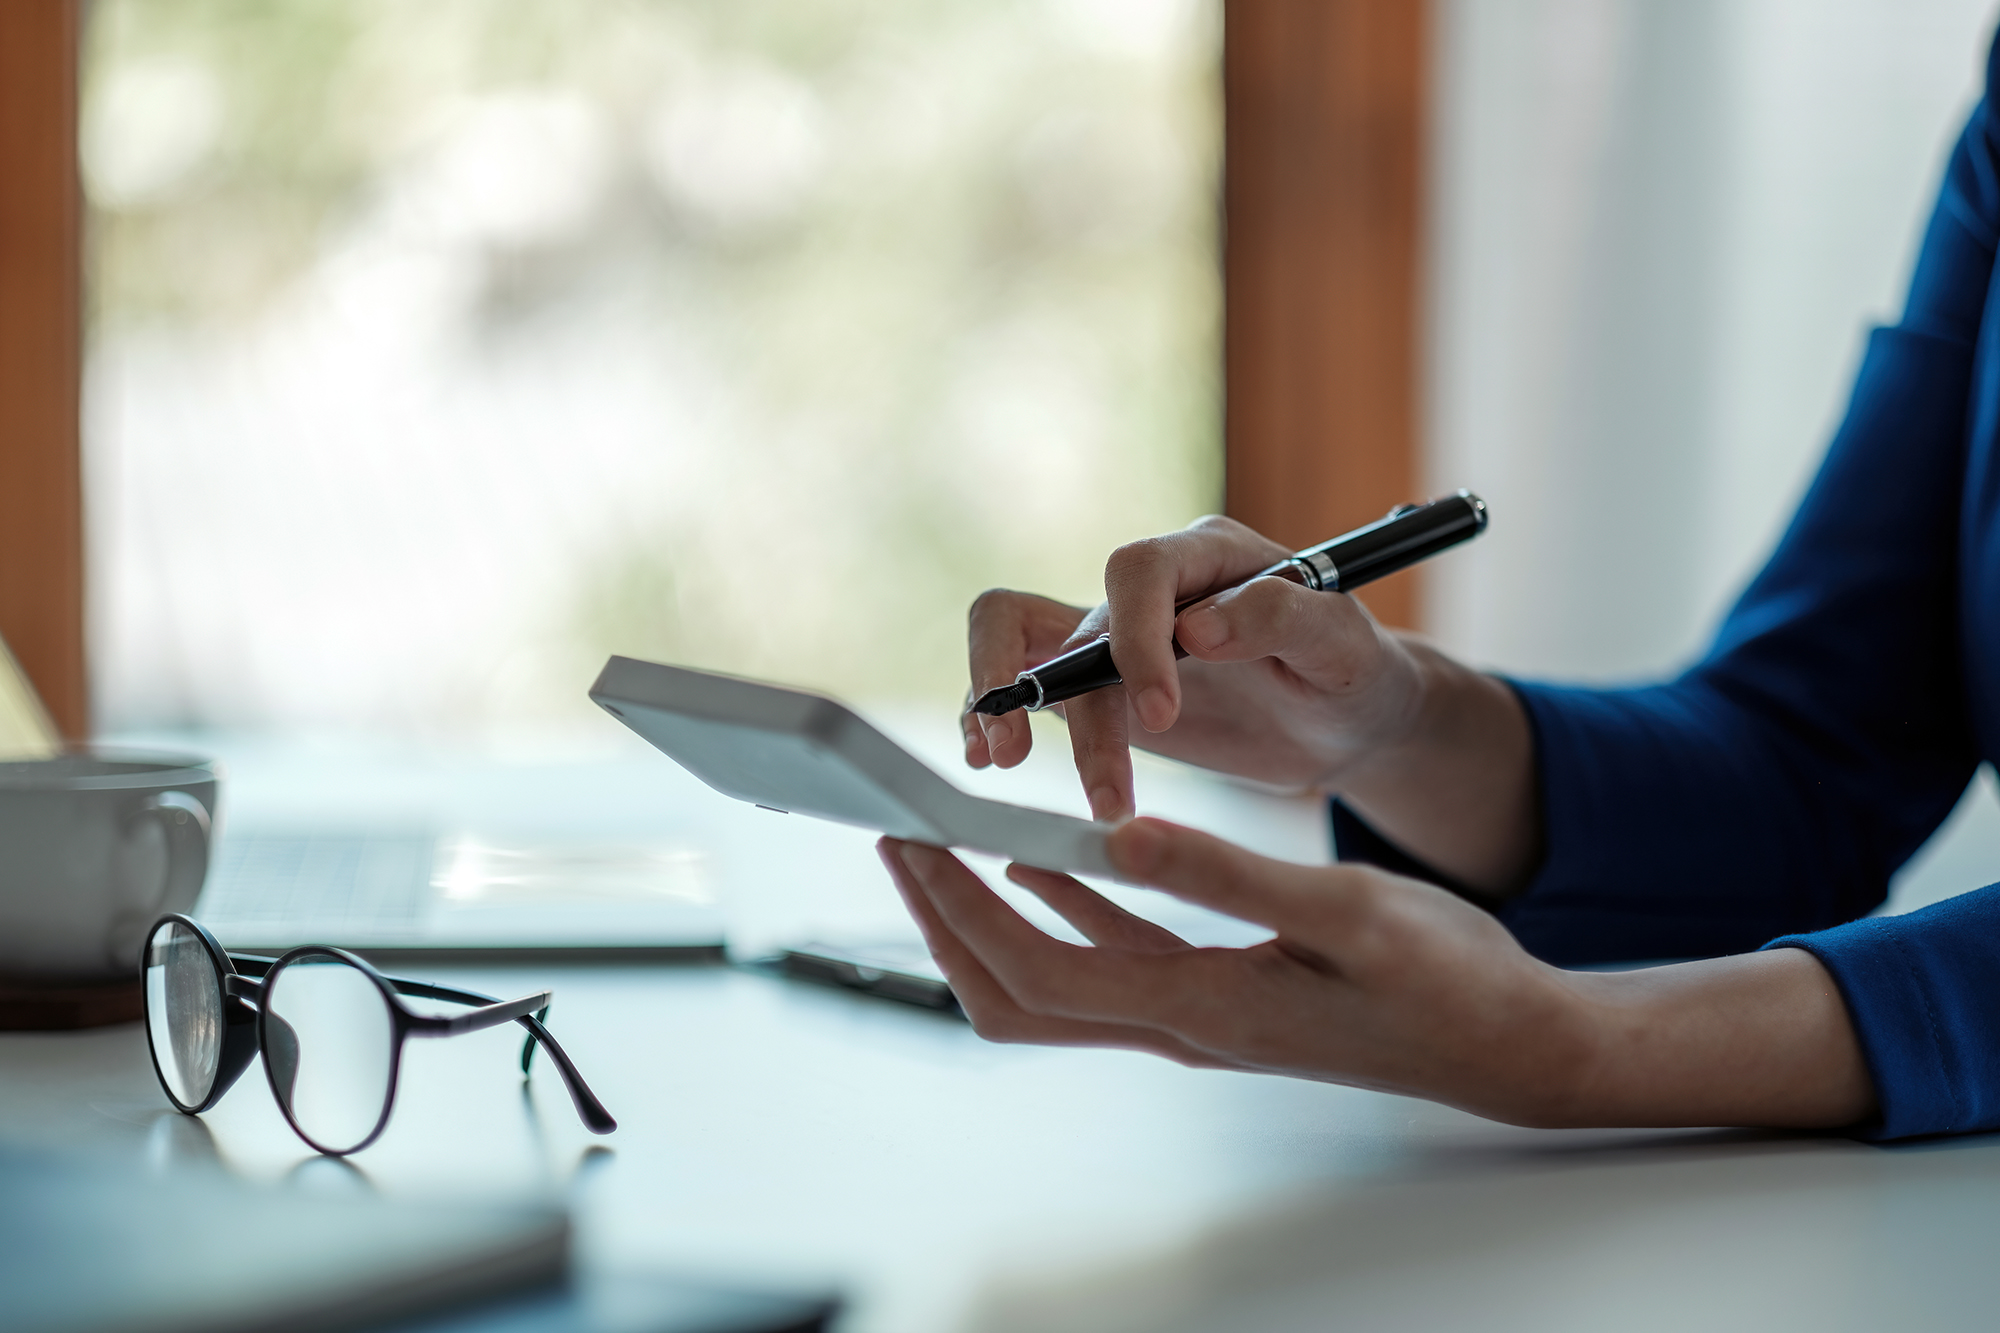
[1005, 699]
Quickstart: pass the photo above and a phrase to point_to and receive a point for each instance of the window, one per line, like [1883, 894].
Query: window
[437, 350]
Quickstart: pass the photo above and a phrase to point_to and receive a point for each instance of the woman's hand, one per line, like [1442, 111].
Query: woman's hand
[1316, 679]
[1282, 684]
[1382, 982]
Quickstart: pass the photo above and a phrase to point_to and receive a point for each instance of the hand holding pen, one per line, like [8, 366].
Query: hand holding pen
[1283, 683]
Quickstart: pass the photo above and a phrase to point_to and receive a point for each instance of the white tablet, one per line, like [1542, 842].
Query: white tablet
[805, 754]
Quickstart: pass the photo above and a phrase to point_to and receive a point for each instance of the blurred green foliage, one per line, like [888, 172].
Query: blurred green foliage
[945, 270]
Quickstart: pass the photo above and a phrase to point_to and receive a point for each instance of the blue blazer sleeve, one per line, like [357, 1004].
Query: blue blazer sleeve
[1920, 990]
[1779, 783]
[1775, 786]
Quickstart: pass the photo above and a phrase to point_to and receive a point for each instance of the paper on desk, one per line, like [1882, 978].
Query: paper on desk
[25, 729]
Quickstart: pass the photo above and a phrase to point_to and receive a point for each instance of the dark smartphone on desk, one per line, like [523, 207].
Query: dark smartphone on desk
[898, 971]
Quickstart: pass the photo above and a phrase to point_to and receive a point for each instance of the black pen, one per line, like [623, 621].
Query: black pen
[1410, 533]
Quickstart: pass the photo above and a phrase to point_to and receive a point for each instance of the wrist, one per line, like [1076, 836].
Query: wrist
[1453, 782]
[1756, 1039]
[1401, 711]
[1555, 1073]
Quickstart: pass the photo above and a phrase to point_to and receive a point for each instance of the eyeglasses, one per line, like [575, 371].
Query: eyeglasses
[329, 1026]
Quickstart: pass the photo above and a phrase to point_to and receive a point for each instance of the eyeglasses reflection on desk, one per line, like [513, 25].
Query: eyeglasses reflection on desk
[329, 1026]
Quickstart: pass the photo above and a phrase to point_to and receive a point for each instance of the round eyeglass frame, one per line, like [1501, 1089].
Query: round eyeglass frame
[241, 979]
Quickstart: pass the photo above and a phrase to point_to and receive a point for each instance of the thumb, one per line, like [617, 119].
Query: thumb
[1319, 634]
[1207, 871]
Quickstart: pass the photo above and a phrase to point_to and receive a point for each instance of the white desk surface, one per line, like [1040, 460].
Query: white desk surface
[780, 1132]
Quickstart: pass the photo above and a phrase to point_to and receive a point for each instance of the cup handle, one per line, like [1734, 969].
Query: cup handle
[185, 824]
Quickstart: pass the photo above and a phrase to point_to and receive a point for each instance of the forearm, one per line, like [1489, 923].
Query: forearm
[1754, 1039]
[1457, 788]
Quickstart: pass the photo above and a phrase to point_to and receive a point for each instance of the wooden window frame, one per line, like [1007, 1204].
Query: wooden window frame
[1323, 170]
[1323, 104]
[41, 356]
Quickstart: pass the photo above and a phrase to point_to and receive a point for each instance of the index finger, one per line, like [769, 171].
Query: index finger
[1006, 633]
[1146, 581]
[1023, 985]
[1041, 974]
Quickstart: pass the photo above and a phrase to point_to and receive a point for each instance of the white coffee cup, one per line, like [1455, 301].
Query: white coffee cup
[94, 845]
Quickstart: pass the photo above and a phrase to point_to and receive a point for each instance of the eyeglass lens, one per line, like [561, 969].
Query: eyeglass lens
[329, 1044]
[183, 1012]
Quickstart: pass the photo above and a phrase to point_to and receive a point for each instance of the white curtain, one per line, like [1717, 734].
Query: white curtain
[1660, 229]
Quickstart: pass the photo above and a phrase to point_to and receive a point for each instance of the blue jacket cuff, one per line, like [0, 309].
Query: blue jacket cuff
[1923, 992]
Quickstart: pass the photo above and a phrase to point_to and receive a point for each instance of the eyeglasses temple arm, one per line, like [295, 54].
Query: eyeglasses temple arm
[251, 964]
[588, 1109]
[528, 1044]
[528, 1012]
[429, 990]
[491, 1014]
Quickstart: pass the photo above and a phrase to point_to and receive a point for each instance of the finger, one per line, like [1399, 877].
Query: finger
[1099, 740]
[1043, 975]
[1144, 580]
[1325, 635]
[1006, 633]
[993, 1012]
[1101, 921]
[1322, 901]
[977, 755]
[971, 983]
